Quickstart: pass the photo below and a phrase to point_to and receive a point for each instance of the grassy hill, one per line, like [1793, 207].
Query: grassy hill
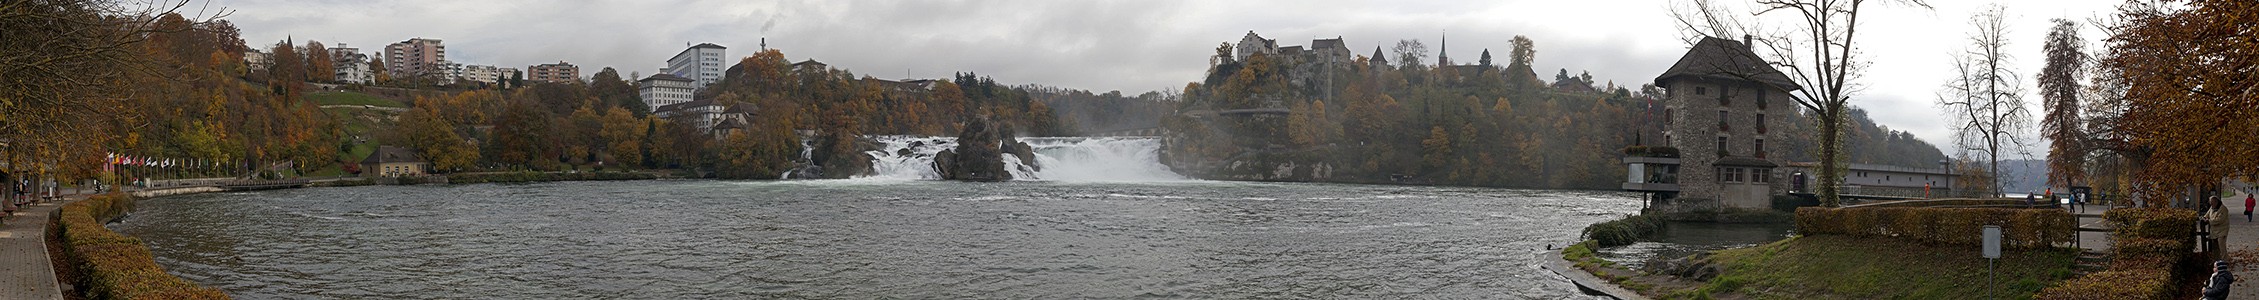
[352, 98]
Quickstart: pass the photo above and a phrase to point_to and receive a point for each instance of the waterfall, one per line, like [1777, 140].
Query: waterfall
[807, 157]
[1060, 158]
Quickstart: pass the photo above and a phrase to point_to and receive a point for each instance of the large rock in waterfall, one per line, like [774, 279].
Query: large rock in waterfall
[978, 156]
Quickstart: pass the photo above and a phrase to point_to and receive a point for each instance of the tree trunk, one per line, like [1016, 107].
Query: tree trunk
[1830, 175]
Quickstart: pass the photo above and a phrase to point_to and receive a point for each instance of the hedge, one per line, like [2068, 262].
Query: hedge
[1965, 202]
[2021, 228]
[2153, 223]
[2147, 247]
[2114, 284]
[116, 266]
[1624, 231]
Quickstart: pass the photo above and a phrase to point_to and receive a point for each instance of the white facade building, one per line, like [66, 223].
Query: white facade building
[665, 89]
[703, 64]
[486, 73]
[351, 65]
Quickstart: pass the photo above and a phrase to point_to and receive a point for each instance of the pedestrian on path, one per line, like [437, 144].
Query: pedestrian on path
[2248, 201]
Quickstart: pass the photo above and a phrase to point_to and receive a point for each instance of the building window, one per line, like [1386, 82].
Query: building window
[1722, 147]
[1759, 149]
[1760, 123]
[1667, 117]
[1725, 96]
[1761, 99]
[1722, 125]
[1761, 175]
[1701, 91]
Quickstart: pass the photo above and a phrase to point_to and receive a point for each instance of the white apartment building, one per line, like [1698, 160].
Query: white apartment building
[486, 73]
[665, 89]
[703, 64]
[351, 65]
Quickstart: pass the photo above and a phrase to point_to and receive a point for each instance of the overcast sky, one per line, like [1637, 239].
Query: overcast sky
[1131, 46]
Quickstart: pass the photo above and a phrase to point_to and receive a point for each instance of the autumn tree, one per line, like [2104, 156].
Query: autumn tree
[612, 91]
[434, 138]
[320, 67]
[2059, 92]
[376, 68]
[623, 137]
[1986, 98]
[2188, 71]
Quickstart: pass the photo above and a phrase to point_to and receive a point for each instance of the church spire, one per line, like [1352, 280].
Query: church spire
[1443, 52]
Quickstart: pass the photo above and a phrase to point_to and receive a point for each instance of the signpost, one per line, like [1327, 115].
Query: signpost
[1991, 255]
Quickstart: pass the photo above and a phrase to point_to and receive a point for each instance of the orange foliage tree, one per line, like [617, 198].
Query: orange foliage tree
[2192, 70]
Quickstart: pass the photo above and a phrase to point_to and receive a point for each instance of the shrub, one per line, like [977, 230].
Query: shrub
[1624, 231]
[2154, 223]
[2114, 284]
[117, 266]
[2022, 228]
[2148, 248]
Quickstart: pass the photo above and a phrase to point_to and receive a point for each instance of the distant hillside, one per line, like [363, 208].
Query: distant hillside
[2024, 175]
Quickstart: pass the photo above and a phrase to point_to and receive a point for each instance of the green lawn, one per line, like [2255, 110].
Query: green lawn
[1840, 267]
[352, 98]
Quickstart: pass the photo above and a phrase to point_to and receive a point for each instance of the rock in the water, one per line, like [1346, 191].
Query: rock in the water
[978, 156]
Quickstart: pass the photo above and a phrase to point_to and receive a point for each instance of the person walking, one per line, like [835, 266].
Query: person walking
[2248, 203]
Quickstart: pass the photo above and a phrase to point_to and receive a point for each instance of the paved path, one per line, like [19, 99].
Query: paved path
[2243, 236]
[25, 272]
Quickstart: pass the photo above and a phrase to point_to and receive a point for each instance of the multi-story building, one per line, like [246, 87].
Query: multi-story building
[665, 89]
[486, 74]
[707, 115]
[557, 72]
[1723, 104]
[702, 64]
[351, 65]
[417, 57]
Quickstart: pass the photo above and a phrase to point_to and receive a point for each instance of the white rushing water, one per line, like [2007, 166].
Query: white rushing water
[1076, 159]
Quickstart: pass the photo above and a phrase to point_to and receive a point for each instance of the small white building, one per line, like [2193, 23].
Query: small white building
[665, 89]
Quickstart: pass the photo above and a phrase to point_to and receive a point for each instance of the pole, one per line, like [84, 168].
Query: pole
[1991, 278]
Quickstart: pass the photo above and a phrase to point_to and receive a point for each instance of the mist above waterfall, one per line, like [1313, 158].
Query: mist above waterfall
[1074, 159]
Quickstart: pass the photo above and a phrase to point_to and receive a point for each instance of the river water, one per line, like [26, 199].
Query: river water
[872, 238]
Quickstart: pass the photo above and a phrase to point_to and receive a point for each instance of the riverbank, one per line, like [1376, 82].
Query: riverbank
[1833, 267]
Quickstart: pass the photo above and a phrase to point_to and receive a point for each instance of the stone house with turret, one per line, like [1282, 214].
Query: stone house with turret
[1720, 110]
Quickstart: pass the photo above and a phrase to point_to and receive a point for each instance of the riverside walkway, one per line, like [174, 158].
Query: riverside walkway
[26, 272]
[2243, 250]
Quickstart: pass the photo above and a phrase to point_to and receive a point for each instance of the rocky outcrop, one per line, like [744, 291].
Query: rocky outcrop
[1697, 267]
[978, 157]
[1021, 150]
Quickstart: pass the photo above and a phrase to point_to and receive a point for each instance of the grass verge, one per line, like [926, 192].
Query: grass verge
[1842, 267]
